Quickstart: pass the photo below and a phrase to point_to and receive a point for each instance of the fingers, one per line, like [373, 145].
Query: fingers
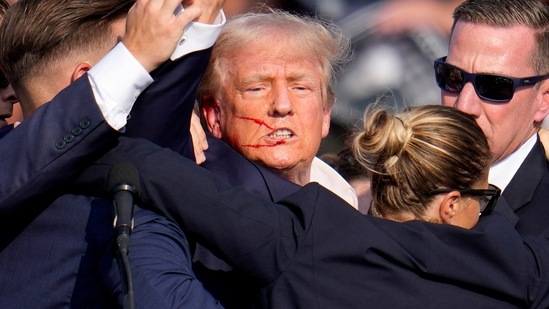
[153, 30]
[200, 143]
[210, 9]
[189, 14]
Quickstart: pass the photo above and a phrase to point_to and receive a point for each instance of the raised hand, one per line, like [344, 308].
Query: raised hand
[153, 30]
[210, 9]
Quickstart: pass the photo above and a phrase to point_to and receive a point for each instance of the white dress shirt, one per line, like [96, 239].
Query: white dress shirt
[503, 171]
[330, 179]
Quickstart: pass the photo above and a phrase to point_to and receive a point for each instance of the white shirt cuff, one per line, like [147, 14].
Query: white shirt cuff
[116, 81]
[199, 36]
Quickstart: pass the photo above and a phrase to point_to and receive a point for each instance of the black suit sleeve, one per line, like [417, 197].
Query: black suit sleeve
[53, 146]
[254, 234]
[162, 114]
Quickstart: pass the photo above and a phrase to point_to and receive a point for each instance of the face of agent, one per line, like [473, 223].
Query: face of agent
[7, 99]
[271, 108]
[485, 49]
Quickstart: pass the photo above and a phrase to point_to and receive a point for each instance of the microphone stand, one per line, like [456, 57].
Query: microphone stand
[125, 273]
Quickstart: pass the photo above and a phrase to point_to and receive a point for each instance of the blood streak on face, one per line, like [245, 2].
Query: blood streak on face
[261, 123]
[271, 108]
[272, 145]
[258, 121]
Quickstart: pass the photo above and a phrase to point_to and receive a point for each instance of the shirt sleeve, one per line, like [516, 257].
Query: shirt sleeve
[199, 36]
[117, 80]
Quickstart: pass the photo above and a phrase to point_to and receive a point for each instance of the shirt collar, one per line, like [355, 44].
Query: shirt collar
[333, 181]
[503, 171]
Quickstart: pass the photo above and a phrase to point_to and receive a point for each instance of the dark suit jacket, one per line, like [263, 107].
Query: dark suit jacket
[525, 201]
[52, 252]
[162, 114]
[59, 140]
[231, 287]
[314, 251]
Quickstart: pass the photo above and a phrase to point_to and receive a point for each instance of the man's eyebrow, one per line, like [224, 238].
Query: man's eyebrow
[301, 76]
[256, 78]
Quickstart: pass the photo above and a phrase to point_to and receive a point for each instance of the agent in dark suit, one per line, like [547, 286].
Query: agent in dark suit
[52, 252]
[487, 79]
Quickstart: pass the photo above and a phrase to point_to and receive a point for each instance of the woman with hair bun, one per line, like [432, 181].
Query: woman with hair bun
[427, 163]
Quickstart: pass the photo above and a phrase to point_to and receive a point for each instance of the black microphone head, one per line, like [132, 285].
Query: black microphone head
[123, 176]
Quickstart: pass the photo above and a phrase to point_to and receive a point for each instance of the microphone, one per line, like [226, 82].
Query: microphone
[123, 182]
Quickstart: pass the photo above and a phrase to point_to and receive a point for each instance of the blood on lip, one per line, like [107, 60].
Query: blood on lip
[280, 142]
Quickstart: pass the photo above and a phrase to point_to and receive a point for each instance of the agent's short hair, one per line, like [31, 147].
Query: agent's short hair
[36, 34]
[508, 13]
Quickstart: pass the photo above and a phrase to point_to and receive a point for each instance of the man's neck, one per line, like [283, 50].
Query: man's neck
[300, 176]
[503, 171]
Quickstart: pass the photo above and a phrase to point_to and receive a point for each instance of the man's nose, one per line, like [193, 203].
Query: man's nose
[282, 102]
[468, 101]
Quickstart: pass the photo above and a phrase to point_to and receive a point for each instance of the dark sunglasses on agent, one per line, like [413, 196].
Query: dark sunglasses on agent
[487, 197]
[490, 87]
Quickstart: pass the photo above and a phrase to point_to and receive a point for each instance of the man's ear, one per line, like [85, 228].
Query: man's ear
[326, 122]
[543, 108]
[212, 115]
[81, 69]
[450, 205]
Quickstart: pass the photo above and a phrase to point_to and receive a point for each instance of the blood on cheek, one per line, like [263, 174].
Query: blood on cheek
[260, 123]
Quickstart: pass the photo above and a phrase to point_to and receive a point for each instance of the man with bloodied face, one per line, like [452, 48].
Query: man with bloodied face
[267, 93]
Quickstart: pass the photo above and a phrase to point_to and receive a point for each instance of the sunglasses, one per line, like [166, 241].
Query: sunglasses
[491, 87]
[487, 197]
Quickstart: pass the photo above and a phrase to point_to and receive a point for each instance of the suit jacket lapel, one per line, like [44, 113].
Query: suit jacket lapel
[278, 187]
[523, 185]
[504, 208]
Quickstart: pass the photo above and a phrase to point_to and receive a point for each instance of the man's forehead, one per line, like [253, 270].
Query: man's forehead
[270, 75]
[480, 48]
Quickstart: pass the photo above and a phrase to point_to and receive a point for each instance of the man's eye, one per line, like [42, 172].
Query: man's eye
[255, 89]
[301, 89]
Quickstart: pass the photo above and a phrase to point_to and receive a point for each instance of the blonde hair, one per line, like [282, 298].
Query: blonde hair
[319, 38]
[420, 149]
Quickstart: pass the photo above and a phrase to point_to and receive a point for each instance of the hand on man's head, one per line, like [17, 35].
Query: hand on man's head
[210, 9]
[153, 30]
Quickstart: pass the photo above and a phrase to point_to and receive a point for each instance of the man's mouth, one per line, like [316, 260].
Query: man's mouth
[281, 134]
